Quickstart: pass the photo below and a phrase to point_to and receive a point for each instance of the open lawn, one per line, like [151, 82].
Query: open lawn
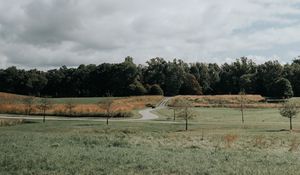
[255, 116]
[215, 144]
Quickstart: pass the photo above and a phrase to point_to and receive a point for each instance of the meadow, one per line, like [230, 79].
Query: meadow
[216, 143]
[80, 107]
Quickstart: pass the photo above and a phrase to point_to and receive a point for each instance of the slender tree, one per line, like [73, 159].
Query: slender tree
[28, 102]
[184, 106]
[70, 105]
[289, 110]
[107, 104]
[45, 104]
[242, 104]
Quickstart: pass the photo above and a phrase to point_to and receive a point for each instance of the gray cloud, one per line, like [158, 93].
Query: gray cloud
[51, 33]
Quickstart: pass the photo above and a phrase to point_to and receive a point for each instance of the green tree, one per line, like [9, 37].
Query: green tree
[283, 88]
[137, 88]
[292, 73]
[156, 90]
[289, 110]
[190, 86]
[267, 74]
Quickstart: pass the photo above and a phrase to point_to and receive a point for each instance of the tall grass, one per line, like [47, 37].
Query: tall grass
[10, 122]
[87, 107]
[141, 148]
[232, 101]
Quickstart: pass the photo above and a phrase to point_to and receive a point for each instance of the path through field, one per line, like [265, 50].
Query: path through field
[146, 114]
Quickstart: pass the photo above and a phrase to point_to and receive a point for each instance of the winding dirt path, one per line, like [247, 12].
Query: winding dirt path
[147, 113]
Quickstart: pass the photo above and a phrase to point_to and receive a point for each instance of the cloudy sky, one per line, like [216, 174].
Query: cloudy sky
[52, 33]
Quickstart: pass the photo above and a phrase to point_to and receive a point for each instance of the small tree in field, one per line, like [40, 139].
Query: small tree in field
[289, 110]
[185, 112]
[107, 105]
[242, 104]
[45, 104]
[70, 106]
[28, 102]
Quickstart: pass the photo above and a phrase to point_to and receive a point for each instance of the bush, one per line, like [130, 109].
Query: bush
[156, 90]
[137, 88]
[283, 88]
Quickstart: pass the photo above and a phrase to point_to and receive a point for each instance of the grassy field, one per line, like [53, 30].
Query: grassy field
[215, 144]
[84, 107]
[230, 115]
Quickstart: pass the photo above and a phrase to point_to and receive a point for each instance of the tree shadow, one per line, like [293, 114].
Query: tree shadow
[276, 130]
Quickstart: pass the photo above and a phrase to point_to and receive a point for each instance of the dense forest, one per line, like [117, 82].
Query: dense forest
[157, 77]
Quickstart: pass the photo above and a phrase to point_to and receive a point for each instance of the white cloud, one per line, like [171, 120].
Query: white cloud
[49, 33]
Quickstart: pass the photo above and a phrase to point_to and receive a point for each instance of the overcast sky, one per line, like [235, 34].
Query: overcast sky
[51, 33]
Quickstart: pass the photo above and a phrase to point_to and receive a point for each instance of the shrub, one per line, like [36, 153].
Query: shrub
[283, 88]
[137, 88]
[156, 90]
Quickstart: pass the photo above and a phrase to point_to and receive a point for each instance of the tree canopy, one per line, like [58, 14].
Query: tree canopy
[157, 77]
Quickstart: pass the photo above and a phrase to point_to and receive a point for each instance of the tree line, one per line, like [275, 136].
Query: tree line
[157, 77]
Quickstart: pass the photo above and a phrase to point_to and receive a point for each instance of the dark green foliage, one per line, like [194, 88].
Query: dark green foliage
[292, 73]
[156, 90]
[137, 88]
[231, 75]
[289, 110]
[283, 89]
[169, 77]
[190, 86]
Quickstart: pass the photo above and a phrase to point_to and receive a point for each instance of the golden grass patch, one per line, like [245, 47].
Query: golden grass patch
[232, 101]
[11, 103]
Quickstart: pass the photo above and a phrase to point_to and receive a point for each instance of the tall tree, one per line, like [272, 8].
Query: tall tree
[190, 85]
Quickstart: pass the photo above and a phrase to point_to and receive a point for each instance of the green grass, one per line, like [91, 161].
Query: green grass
[82, 147]
[224, 116]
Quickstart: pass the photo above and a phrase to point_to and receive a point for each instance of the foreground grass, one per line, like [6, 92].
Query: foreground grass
[74, 147]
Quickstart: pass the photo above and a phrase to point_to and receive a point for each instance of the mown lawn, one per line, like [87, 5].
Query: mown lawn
[82, 147]
[268, 117]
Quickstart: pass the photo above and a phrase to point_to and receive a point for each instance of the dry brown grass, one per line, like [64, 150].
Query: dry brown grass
[230, 139]
[10, 122]
[11, 103]
[232, 101]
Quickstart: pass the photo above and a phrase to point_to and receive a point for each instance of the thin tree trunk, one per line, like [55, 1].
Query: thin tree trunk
[242, 115]
[186, 124]
[186, 120]
[44, 118]
[174, 115]
[107, 120]
[291, 126]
